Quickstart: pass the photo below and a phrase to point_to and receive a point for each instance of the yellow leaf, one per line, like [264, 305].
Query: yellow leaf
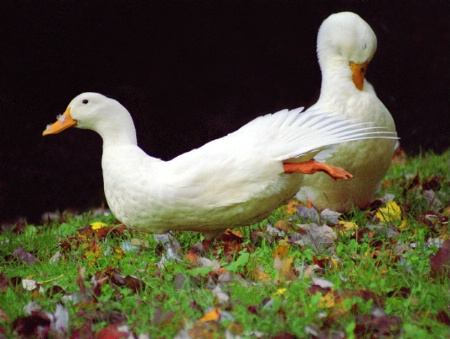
[280, 291]
[97, 225]
[349, 227]
[327, 300]
[281, 251]
[292, 205]
[119, 252]
[212, 315]
[259, 275]
[403, 226]
[390, 213]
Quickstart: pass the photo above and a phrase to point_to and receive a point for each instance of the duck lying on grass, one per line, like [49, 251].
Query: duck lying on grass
[345, 45]
[233, 181]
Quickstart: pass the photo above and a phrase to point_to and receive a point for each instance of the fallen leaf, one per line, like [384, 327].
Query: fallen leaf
[259, 275]
[280, 291]
[97, 225]
[283, 225]
[443, 317]
[327, 300]
[318, 237]
[31, 325]
[115, 331]
[29, 284]
[322, 282]
[281, 251]
[329, 216]
[222, 298]
[24, 256]
[440, 262]
[390, 213]
[310, 214]
[432, 199]
[285, 269]
[347, 227]
[212, 315]
[369, 326]
[4, 283]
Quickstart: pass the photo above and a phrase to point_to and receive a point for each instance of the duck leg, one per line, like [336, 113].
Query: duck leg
[313, 166]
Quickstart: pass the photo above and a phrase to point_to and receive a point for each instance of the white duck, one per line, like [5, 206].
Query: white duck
[345, 45]
[232, 181]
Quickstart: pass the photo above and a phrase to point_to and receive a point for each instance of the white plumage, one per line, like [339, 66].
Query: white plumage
[345, 45]
[232, 181]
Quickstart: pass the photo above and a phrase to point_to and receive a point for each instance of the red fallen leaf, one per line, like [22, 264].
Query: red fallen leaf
[370, 295]
[313, 289]
[4, 283]
[252, 309]
[403, 292]
[230, 235]
[369, 326]
[432, 183]
[103, 232]
[85, 332]
[285, 336]
[16, 281]
[37, 322]
[55, 289]
[115, 331]
[24, 256]
[326, 262]
[132, 283]
[443, 317]
[440, 262]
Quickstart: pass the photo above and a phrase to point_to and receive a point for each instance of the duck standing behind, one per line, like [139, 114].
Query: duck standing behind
[345, 45]
[233, 181]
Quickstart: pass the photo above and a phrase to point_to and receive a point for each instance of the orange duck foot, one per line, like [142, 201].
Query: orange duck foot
[313, 166]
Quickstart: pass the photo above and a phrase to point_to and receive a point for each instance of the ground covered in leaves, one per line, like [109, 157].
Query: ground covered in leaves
[378, 273]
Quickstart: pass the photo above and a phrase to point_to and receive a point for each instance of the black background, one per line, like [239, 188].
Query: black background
[189, 72]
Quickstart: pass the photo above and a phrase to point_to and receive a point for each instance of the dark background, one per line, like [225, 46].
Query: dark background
[189, 72]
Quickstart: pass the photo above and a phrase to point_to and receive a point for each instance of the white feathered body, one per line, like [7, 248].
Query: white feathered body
[232, 181]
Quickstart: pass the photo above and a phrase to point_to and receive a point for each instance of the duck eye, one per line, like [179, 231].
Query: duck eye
[85, 101]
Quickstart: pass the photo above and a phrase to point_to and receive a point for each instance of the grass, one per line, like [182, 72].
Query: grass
[385, 277]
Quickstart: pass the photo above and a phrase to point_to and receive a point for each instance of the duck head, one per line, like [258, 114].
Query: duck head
[98, 113]
[346, 38]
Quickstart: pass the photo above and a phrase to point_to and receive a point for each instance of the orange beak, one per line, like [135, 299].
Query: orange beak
[64, 121]
[359, 72]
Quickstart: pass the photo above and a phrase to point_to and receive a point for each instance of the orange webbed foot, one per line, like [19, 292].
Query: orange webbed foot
[312, 166]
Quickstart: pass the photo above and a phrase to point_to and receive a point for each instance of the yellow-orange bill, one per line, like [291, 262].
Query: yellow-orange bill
[359, 72]
[64, 122]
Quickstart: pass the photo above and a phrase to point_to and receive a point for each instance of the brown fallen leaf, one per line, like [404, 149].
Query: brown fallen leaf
[4, 283]
[285, 269]
[115, 331]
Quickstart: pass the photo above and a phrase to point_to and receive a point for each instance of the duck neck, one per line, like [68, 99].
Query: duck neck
[336, 76]
[118, 135]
